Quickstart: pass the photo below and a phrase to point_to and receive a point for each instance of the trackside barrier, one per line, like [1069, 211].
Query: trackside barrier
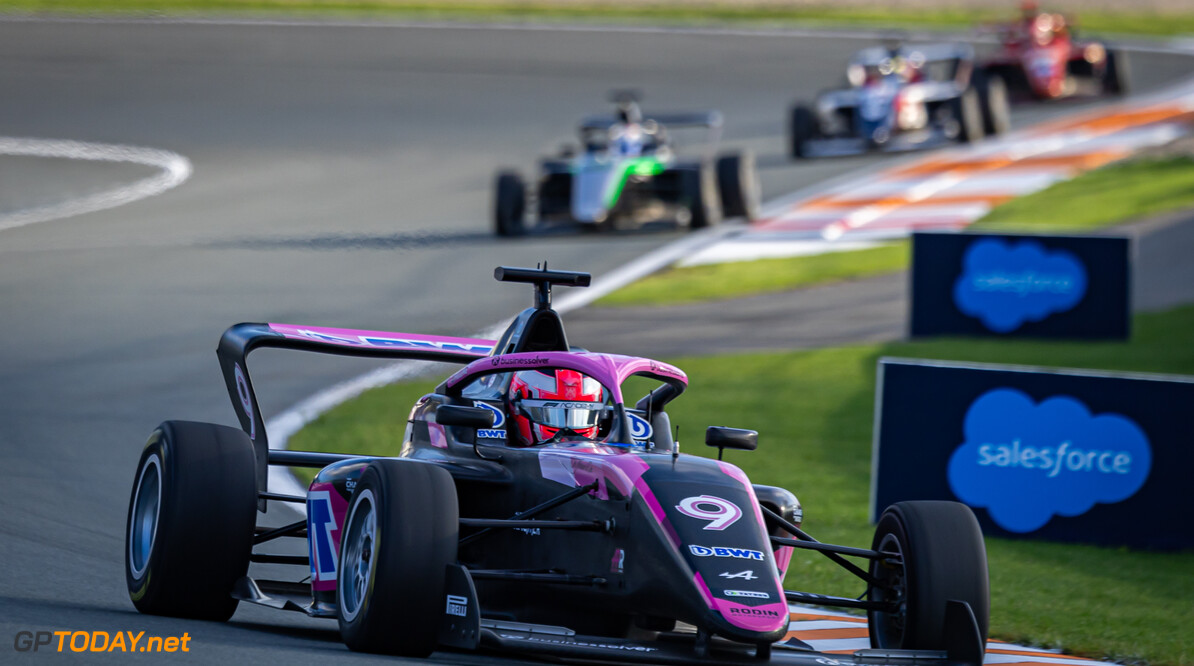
[1008, 285]
[1060, 455]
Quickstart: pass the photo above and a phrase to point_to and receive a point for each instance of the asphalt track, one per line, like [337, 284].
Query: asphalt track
[341, 177]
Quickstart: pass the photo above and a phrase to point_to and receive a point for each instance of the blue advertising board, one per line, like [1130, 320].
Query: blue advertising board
[1020, 285]
[1060, 455]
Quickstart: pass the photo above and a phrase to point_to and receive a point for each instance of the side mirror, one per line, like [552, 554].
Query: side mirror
[467, 417]
[731, 438]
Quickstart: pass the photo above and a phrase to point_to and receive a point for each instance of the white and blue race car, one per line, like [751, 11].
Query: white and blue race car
[902, 97]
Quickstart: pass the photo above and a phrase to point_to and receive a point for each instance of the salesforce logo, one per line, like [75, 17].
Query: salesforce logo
[1005, 285]
[1026, 462]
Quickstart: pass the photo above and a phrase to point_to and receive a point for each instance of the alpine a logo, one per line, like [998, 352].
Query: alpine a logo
[740, 553]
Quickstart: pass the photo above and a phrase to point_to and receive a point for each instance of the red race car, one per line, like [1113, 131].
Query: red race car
[1040, 58]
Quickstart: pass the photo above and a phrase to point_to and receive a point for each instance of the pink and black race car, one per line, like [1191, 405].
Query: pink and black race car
[1039, 57]
[530, 509]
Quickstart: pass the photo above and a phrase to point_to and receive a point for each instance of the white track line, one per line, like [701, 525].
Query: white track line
[174, 170]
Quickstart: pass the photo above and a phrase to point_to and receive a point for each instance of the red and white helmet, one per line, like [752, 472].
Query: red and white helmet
[544, 401]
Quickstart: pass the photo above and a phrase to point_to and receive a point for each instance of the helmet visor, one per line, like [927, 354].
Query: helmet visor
[571, 414]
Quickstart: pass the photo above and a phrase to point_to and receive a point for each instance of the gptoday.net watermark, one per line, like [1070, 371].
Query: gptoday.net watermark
[98, 641]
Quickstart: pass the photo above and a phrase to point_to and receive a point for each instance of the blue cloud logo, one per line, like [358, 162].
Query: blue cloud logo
[1026, 462]
[640, 428]
[1005, 285]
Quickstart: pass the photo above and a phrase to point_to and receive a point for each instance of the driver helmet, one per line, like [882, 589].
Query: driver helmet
[542, 402]
[1029, 9]
[628, 111]
[629, 140]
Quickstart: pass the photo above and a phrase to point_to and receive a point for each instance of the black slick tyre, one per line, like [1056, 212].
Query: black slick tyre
[938, 555]
[399, 536]
[738, 185]
[509, 206]
[190, 524]
[699, 187]
[967, 111]
[993, 100]
[802, 126]
[1115, 73]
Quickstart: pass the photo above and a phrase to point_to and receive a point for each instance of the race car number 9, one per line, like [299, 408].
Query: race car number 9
[719, 512]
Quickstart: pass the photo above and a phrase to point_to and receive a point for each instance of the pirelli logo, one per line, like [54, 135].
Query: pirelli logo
[457, 606]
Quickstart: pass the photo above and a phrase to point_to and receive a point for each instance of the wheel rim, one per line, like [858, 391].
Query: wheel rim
[143, 521]
[360, 548]
[891, 585]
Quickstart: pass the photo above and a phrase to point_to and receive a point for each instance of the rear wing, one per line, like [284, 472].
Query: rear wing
[239, 340]
[708, 119]
[874, 55]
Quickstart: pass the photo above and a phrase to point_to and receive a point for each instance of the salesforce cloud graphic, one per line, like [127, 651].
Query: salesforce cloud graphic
[1026, 462]
[1006, 284]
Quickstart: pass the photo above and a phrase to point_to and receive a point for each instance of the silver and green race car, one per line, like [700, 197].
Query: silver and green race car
[626, 174]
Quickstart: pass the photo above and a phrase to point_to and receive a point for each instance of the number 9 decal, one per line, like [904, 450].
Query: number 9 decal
[723, 514]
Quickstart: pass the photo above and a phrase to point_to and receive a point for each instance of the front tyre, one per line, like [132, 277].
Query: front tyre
[698, 187]
[509, 206]
[968, 113]
[190, 520]
[937, 555]
[993, 99]
[802, 127]
[739, 185]
[399, 537]
[1115, 73]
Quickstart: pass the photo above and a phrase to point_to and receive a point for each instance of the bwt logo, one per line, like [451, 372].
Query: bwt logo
[640, 428]
[1026, 462]
[498, 431]
[741, 553]
[1005, 285]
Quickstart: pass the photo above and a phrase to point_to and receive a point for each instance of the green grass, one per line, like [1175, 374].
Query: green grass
[1144, 22]
[1099, 198]
[1113, 194]
[813, 410]
[731, 280]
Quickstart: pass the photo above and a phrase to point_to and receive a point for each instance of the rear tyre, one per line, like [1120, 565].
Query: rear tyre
[699, 187]
[993, 100]
[190, 521]
[968, 113]
[738, 185]
[1115, 73]
[399, 537]
[802, 127]
[509, 204]
[939, 556]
